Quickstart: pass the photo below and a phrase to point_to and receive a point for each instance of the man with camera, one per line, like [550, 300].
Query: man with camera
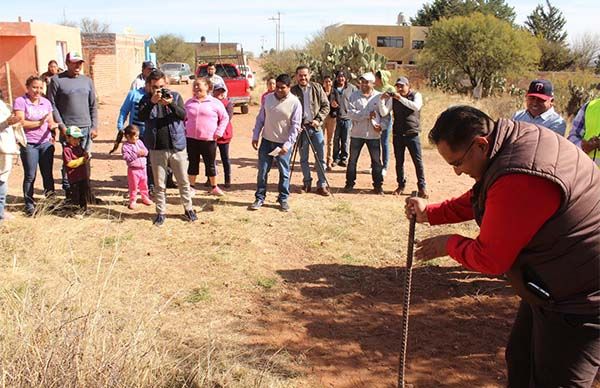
[585, 132]
[163, 112]
[315, 108]
[406, 105]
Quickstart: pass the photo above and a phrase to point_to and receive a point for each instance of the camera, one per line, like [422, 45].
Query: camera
[391, 94]
[165, 93]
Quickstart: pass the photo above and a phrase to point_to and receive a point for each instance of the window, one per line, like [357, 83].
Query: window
[61, 52]
[418, 44]
[390, 41]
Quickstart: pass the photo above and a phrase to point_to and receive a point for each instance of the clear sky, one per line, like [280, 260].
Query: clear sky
[247, 21]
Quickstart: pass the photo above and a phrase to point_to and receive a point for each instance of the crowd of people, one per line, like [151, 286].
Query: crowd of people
[164, 138]
[535, 198]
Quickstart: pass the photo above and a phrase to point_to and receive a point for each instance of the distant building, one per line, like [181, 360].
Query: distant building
[28, 47]
[204, 48]
[113, 60]
[399, 43]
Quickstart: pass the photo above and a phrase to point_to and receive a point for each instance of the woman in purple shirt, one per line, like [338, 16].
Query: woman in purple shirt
[40, 130]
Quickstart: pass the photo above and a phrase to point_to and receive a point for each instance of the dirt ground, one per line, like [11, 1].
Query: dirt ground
[343, 319]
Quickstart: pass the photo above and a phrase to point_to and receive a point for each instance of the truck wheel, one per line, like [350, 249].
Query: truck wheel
[245, 109]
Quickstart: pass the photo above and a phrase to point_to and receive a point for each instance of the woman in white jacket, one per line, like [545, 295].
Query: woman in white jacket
[8, 149]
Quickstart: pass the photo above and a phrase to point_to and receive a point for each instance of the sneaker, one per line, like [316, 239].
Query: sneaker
[384, 172]
[348, 189]
[190, 215]
[423, 194]
[343, 163]
[147, 201]
[378, 191]
[256, 205]
[217, 192]
[323, 191]
[29, 211]
[207, 183]
[305, 188]
[132, 205]
[284, 206]
[159, 220]
[399, 190]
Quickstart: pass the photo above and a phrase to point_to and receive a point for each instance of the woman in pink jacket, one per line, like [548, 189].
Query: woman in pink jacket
[206, 121]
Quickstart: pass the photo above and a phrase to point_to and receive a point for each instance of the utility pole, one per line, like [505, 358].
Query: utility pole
[277, 21]
[262, 44]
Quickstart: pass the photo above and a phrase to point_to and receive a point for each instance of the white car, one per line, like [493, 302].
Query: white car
[249, 74]
[176, 72]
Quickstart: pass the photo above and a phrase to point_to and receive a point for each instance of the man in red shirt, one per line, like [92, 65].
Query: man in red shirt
[537, 201]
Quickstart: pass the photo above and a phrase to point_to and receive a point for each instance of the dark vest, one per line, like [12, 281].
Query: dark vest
[563, 257]
[407, 122]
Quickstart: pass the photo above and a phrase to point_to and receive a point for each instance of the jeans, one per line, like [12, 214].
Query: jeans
[178, 161]
[341, 139]
[374, 148]
[386, 125]
[318, 143]
[3, 192]
[31, 156]
[264, 166]
[86, 144]
[224, 152]
[413, 143]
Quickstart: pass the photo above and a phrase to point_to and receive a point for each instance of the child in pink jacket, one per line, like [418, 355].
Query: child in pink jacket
[134, 153]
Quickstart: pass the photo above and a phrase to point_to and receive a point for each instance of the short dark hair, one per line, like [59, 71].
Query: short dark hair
[31, 79]
[130, 130]
[52, 62]
[210, 64]
[302, 67]
[378, 74]
[459, 125]
[326, 76]
[155, 75]
[284, 78]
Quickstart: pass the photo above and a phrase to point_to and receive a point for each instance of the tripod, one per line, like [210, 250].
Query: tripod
[314, 151]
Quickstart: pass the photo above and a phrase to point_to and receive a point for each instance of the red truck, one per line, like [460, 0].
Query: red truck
[238, 88]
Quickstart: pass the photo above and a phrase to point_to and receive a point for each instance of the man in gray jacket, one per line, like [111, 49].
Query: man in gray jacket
[315, 108]
[73, 99]
[342, 90]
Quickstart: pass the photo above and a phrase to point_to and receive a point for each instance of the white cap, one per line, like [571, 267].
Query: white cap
[368, 77]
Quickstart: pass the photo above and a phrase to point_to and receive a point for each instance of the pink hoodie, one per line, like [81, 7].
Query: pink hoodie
[130, 154]
[205, 120]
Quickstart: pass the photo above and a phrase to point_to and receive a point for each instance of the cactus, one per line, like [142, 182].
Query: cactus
[356, 56]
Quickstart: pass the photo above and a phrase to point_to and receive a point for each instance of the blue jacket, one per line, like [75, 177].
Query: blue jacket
[159, 116]
[130, 108]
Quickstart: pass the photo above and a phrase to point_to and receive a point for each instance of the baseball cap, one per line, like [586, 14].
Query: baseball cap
[74, 131]
[368, 77]
[219, 85]
[541, 88]
[402, 81]
[148, 64]
[74, 57]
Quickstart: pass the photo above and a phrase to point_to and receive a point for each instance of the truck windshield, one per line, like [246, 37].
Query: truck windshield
[225, 71]
[171, 67]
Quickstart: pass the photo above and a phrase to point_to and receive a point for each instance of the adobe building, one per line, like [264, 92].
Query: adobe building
[27, 47]
[113, 61]
[399, 43]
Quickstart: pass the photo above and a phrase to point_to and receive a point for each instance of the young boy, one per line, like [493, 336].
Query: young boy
[76, 159]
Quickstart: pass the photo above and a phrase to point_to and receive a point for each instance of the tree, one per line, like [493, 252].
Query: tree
[172, 48]
[87, 25]
[597, 69]
[548, 23]
[438, 9]
[585, 47]
[479, 48]
[555, 56]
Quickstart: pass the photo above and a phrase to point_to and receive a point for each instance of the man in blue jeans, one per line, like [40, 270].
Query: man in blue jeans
[342, 90]
[279, 122]
[406, 105]
[364, 110]
[315, 108]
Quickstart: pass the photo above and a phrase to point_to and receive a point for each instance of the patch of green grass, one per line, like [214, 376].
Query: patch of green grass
[347, 258]
[198, 294]
[342, 207]
[266, 283]
[111, 241]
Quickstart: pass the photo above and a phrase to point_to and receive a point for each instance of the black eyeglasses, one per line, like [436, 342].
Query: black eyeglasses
[459, 162]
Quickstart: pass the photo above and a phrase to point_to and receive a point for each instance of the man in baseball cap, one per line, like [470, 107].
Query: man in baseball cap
[140, 80]
[539, 102]
[74, 57]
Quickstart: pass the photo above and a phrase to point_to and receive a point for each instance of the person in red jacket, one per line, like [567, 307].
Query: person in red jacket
[219, 91]
[536, 199]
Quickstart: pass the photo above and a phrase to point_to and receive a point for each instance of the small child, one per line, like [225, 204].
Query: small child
[134, 153]
[75, 160]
